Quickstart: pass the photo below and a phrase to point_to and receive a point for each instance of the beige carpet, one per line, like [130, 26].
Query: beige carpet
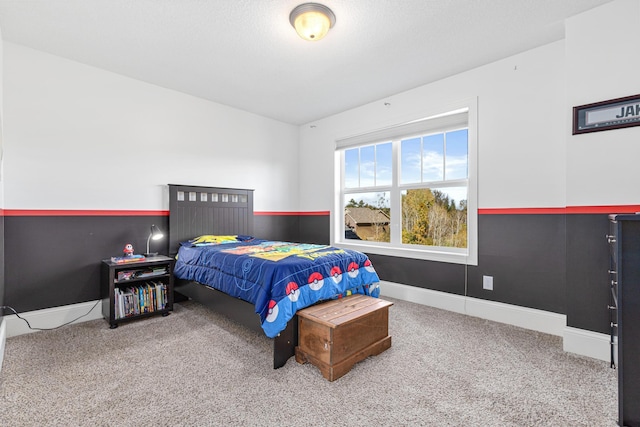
[195, 368]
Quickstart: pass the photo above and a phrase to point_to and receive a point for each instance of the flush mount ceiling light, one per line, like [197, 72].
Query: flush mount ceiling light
[312, 21]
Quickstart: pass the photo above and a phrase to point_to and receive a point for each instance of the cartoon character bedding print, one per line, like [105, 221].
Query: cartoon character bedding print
[279, 278]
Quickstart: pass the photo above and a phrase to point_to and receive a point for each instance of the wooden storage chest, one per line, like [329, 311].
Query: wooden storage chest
[337, 334]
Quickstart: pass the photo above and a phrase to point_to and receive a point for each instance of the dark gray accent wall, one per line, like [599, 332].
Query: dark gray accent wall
[438, 276]
[1, 265]
[315, 229]
[293, 228]
[525, 255]
[277, 227]
[553, 262]
[587, 279]
[54, 261]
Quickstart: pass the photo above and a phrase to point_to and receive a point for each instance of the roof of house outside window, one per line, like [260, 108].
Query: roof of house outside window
[361, 216]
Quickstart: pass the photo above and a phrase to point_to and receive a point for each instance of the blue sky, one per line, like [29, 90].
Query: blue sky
[431, 158]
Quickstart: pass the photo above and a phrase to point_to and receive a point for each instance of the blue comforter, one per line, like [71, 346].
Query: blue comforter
[279, 278]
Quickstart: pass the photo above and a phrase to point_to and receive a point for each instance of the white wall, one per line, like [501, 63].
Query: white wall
[527, 156]
[77, 137]
[603, 62]
[520, 130]
[1, 123]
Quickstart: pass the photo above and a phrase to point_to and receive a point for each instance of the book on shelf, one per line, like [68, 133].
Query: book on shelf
[144, 298]
[127, 259]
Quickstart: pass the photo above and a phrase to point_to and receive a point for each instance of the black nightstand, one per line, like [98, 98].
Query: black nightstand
[136, 290]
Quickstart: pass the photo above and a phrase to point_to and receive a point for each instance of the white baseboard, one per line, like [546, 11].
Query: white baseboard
[587, 343]
[523, 317]
[579, 341]
[52, 317]
[443, 300]
[3, 340]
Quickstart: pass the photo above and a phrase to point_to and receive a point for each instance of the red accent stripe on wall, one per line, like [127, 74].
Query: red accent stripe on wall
[48, 212]
[316, 213]
[621, 209]
[520, 211]
[624, 209]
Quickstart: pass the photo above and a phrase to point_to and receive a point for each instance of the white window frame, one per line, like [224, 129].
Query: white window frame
[444, 119]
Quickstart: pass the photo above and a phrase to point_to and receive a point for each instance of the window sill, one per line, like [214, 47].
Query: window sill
[403, 252]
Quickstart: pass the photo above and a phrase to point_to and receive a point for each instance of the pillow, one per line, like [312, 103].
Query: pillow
[208, 240]
[212, 240]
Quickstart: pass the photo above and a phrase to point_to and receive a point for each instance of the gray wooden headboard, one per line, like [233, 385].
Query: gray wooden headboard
[194, 211]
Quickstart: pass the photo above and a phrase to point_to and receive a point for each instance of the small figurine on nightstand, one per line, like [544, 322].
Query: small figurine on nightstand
[128, 250]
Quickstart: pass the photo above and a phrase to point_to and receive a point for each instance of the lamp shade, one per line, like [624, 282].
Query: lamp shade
[156, 234]
[312, 21]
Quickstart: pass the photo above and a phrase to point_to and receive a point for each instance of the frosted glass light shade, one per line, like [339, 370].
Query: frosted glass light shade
[156, 234]
[312, 21]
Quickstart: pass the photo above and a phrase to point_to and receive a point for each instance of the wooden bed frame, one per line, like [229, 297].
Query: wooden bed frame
[196, 211]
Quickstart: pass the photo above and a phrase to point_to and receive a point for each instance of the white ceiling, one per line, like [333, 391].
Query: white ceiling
[245, 54]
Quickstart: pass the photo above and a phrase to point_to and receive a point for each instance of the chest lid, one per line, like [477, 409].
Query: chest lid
[344, 310]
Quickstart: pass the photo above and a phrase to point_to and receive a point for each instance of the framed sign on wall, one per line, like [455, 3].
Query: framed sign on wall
[612, 114]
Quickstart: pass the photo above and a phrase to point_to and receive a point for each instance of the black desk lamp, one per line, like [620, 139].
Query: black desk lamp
[155, 234]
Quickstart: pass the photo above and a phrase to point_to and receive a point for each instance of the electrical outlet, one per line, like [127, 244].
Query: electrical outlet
[487, 283]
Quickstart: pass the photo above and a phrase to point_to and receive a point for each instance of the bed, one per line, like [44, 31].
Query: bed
[258, 283]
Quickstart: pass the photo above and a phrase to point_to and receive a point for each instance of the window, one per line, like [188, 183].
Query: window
[409, 190]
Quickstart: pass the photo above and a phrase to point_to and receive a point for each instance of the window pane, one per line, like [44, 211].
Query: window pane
[457, 154]
[367, 166]
[435, 217]
[410, 160]
[367, 216]
[351, 164]
[433, 158]
[383, 163]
